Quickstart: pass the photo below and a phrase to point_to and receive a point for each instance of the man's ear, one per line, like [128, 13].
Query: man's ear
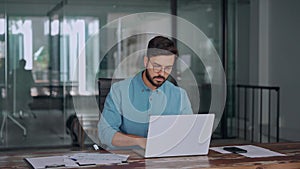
[145, 61]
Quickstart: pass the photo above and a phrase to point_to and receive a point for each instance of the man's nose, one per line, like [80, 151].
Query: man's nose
[161, 72]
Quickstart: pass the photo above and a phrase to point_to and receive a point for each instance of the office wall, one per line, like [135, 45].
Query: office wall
[284, 43]
[268, 54]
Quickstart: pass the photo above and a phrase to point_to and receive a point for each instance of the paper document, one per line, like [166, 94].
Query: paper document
[220, 150]
[51, 162]
[76, 160]
[252, 151]
[97, 158]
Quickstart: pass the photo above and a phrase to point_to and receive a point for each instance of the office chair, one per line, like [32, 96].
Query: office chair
[6, 116]
[88, 123]
[104, 85]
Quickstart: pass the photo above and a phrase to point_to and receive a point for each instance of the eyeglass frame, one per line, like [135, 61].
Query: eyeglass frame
[157, 68]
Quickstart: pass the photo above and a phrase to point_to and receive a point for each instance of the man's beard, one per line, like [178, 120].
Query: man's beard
[157, 85]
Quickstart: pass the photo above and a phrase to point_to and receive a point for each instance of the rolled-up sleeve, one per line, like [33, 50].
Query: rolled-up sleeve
[110, 119]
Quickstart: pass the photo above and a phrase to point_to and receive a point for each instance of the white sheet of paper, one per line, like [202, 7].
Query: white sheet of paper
[255, 151]
[74, 159]
[220, 150]
[42, 162]
[252, 151]
[98, 158]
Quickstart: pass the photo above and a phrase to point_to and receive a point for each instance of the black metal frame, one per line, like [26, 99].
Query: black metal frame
[259, 89]
[224, 8]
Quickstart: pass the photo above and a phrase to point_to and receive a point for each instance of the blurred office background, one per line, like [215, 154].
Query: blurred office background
[256, 40]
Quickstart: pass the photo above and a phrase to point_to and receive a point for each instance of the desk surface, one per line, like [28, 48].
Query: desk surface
[15, 159]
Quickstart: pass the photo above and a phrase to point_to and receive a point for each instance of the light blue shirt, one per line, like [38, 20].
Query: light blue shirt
[130, 103]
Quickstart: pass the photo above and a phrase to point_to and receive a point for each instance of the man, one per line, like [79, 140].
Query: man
[129, 104]
[19, 90]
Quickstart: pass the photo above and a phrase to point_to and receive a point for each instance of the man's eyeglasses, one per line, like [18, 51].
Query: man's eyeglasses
[157, 68]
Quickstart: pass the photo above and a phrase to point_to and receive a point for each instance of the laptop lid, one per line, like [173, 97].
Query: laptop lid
[179, 135]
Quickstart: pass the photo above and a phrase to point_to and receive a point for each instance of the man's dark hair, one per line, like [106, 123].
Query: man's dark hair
[160, 45]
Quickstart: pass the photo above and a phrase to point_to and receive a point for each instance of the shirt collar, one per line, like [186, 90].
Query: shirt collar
[140, 82]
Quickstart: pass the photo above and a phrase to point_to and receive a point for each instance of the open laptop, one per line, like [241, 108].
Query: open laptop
[178, 135]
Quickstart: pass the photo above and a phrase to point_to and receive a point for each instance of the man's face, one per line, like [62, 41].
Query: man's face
[158, 68]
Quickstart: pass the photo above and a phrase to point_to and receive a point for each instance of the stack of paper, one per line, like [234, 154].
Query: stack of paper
[96, 158]
[76, 160]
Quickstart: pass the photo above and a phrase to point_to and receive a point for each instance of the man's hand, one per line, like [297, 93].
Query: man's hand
[121, 139]
[141, 142]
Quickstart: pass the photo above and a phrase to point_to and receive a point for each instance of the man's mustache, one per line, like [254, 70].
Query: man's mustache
[159, 77]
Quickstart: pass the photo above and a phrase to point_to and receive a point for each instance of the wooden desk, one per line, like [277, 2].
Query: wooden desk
[15, 159]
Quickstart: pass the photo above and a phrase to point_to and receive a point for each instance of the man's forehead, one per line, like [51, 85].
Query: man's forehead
[163, 58]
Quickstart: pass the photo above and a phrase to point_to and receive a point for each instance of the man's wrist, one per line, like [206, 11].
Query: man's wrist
[141, 142]
[136, 141]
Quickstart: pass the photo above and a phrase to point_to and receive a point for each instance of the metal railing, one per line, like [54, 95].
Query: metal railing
[252, 105]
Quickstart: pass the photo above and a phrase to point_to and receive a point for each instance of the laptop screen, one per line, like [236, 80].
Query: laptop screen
[177, 135]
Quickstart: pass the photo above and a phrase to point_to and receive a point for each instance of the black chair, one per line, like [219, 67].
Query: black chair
[88, 123]
[104, 85]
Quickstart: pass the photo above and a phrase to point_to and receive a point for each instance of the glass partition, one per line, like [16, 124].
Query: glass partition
[207, 17]
[49, 47]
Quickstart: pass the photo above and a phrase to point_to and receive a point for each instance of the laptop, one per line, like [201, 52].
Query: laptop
[178, 135]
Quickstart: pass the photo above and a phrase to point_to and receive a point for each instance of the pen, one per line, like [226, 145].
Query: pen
[54, 166]
[82, 164]
[85, 164]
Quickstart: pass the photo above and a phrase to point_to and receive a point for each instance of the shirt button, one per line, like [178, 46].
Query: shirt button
[143, 90]
[150, 99]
